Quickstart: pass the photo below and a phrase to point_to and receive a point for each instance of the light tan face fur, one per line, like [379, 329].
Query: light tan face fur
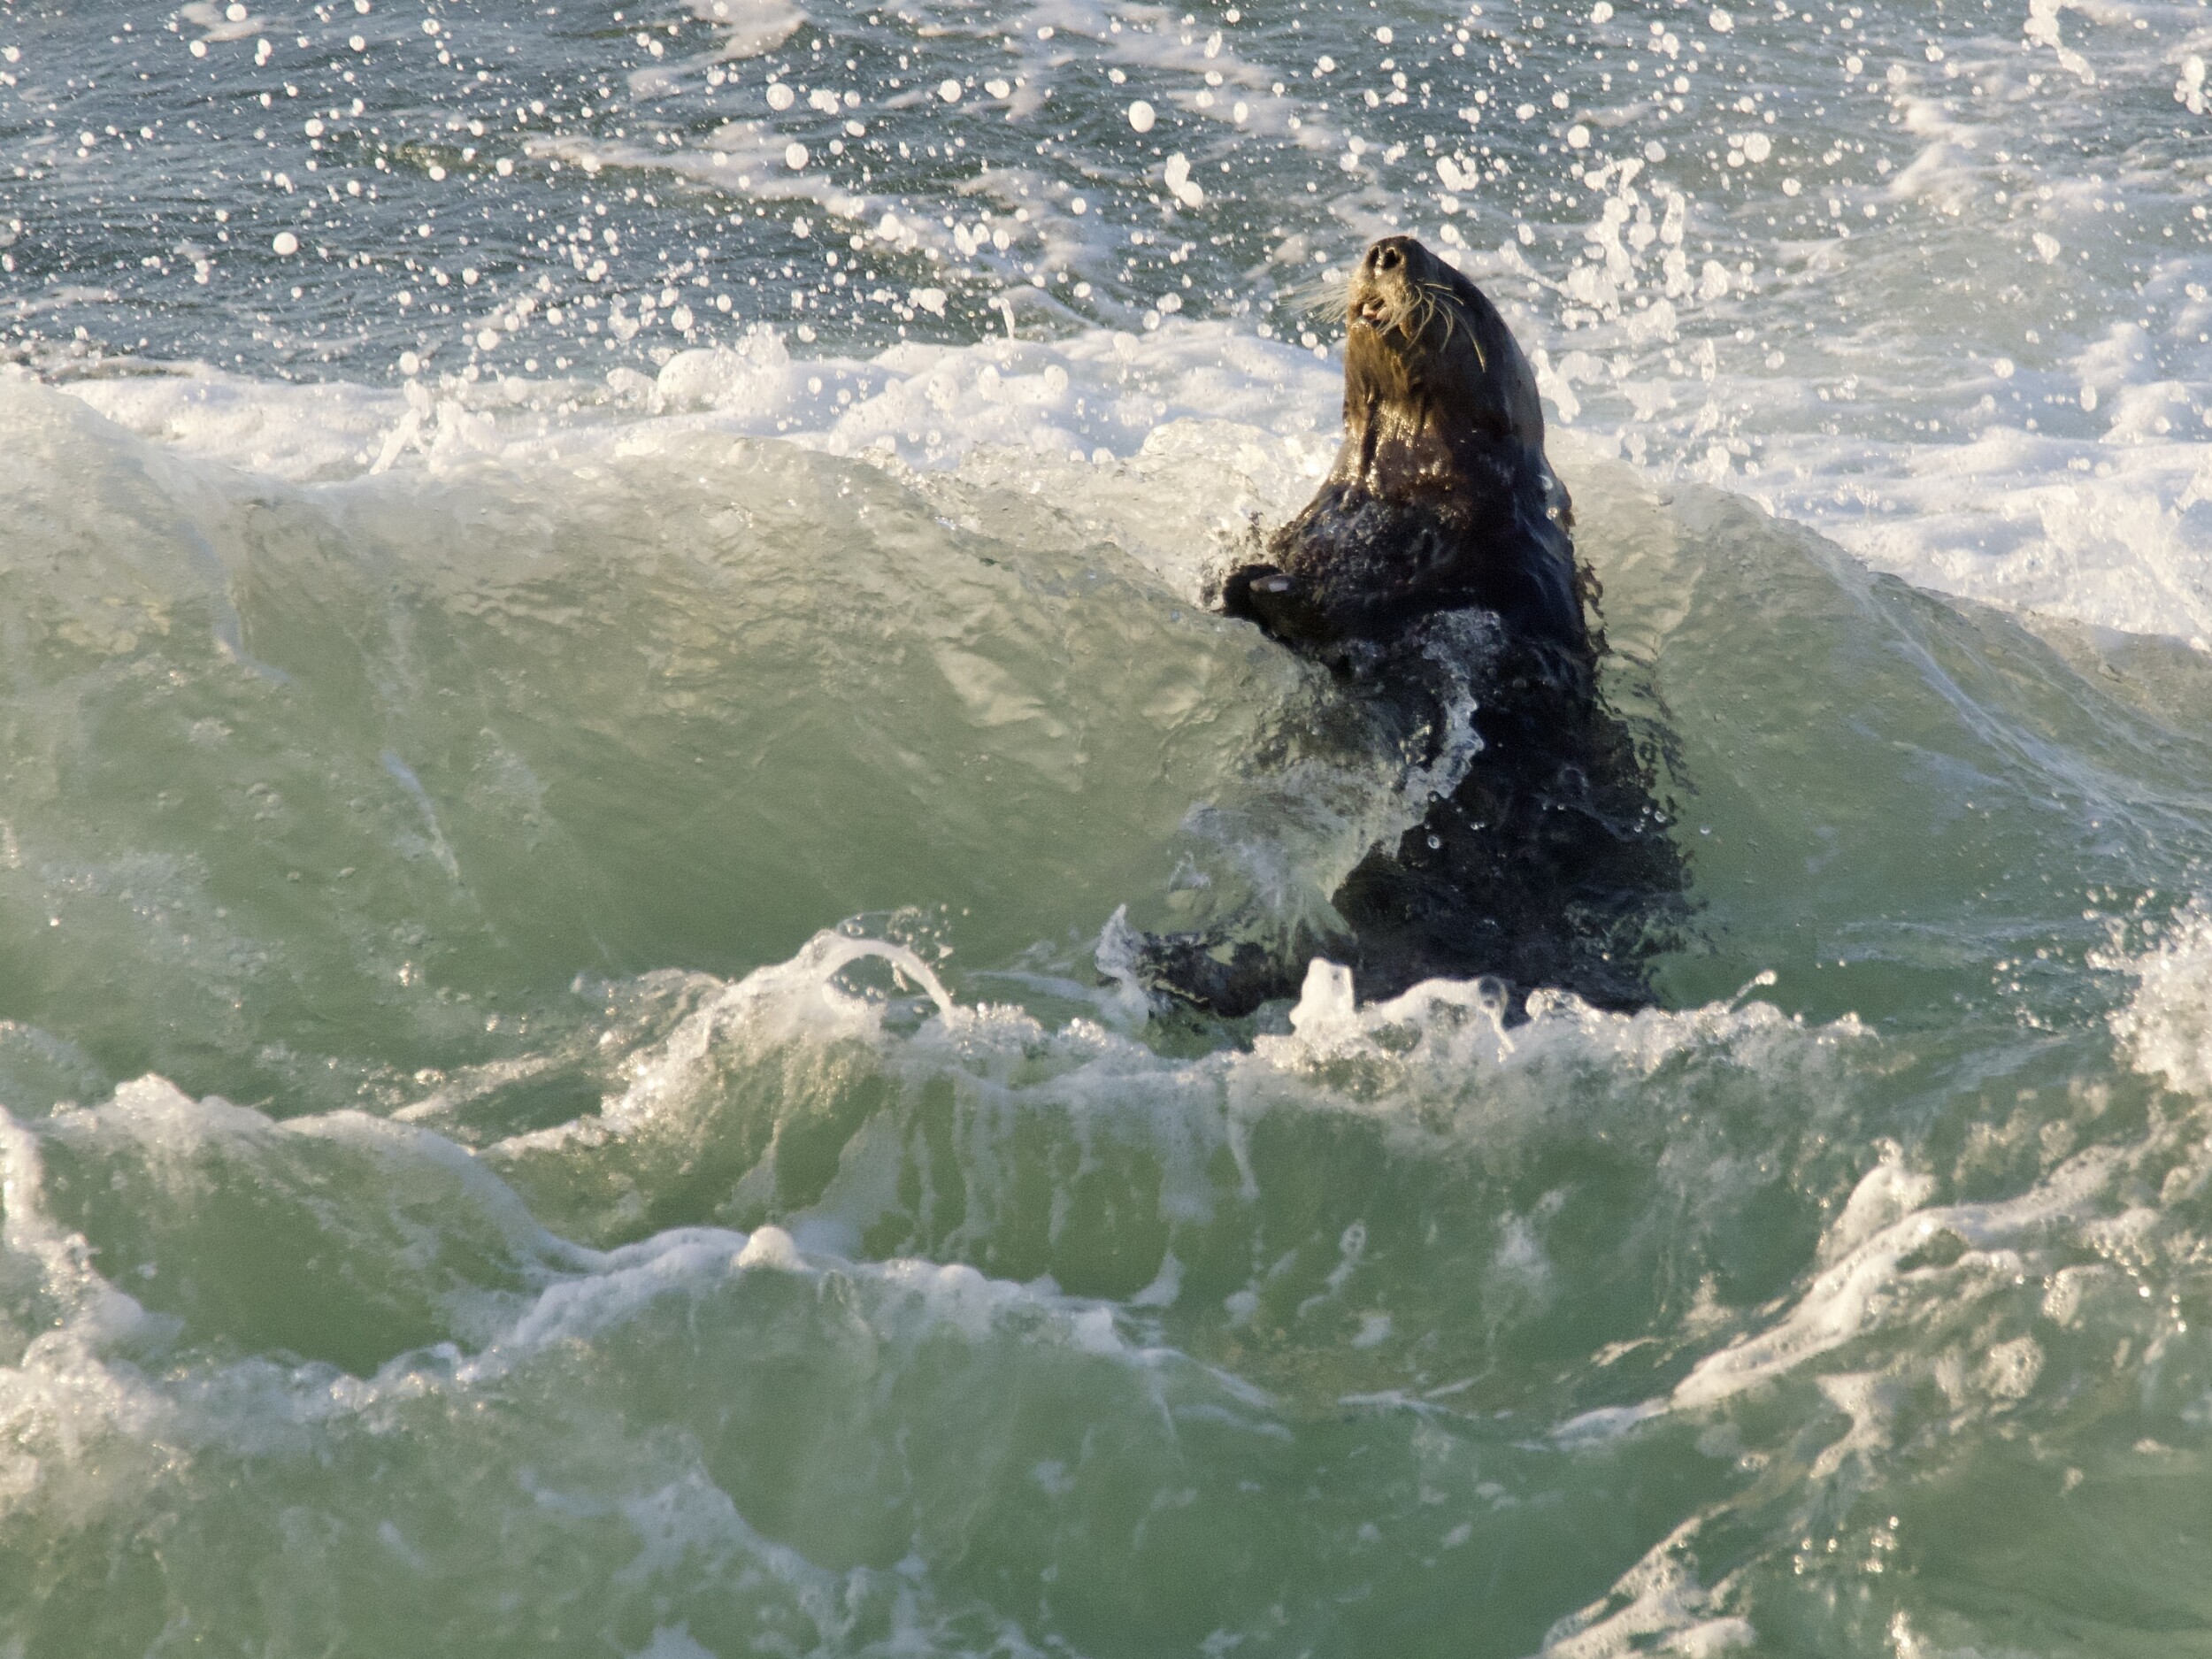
[1395, 296]
[1426, 352]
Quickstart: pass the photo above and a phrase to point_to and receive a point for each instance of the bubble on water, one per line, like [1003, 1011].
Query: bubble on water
[780, 97]
[1141, 116]
[1179, 182]
[1601, 12]
[795, 156]
[1384, 34]
[285, 243]
[948, 89]
[313, 128]
[409, 364]
[1758, 146]
[1721, 21]
[1578, 137]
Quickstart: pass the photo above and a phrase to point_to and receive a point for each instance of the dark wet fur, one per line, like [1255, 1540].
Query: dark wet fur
[1436, 558]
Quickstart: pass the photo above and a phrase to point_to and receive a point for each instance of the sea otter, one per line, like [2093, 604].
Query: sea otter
[1434, 567]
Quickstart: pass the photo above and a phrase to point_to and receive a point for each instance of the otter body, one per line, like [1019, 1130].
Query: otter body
[1434, 564]
[1441, 497]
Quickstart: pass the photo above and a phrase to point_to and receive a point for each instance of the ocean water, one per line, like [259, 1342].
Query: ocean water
[598, 617]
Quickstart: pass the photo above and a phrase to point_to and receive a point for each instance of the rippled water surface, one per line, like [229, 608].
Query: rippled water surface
[598, 608]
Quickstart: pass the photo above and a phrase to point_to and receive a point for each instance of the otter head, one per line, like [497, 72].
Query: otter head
[1426, 352]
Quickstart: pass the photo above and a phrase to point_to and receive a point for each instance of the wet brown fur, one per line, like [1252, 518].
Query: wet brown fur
[1440, 496]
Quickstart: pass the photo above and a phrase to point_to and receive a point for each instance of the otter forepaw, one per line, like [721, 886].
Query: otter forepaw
[1236, 589]
[1197, 969]
[1278, 602]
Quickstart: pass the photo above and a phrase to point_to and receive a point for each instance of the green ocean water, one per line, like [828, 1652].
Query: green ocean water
[599, 616]
[459, 1198]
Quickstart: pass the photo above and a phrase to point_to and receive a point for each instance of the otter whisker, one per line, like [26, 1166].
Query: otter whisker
[1423, 304]
[1317, 300]
[1482, 357]
[1451, 323]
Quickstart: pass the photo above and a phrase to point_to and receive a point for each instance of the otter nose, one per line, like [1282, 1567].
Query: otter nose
[1386, 256]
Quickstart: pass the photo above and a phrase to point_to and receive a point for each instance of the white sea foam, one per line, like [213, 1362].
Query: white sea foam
[1195, 1109]
[2165, 1028]
[1890, 1257]
[2113, 529]
[1201, 427]
[76, 1378]
[1970, 1303]
[740, 29]
[91, 1426]
[1658, 1604]
[1434, 1067]
[1867, 1287]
